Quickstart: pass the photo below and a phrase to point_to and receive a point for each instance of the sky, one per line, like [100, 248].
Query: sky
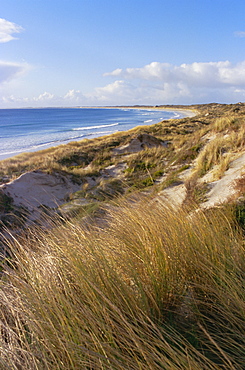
[121, 52]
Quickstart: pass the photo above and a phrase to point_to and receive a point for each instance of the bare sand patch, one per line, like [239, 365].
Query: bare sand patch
[34, 189]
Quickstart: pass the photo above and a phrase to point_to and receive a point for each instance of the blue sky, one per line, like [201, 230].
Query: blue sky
[121, 52]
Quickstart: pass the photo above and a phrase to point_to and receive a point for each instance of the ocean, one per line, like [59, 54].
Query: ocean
[25, 130]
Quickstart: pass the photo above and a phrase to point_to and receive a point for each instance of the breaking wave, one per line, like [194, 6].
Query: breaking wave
[94, 127]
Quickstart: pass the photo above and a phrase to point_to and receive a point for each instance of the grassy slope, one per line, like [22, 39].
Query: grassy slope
[152, 288]
[189, 145]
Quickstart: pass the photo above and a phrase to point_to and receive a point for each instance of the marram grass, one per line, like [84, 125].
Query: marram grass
[152, 288]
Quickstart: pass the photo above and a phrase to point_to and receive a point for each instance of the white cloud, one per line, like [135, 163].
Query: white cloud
[45, 99]
[154, 70]
[239, 33]
[73, 95]
[166, 83]
[118, 87]
[113, 93]
[7, 29]
[10, 70]
[116, 72]
[46, 96]
[155, 83]
[210, 74]
[13, 99]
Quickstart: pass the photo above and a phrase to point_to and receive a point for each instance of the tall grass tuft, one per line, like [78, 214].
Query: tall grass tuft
[211, 154]
[152, 288]
[226, 122]
[220, 151]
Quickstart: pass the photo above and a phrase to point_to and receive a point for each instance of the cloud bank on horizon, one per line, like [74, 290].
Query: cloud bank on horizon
[153, 83]
[184, 83]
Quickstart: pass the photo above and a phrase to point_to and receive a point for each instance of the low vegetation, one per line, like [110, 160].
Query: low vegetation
[213, 137]
[143, 285]
[153, 289]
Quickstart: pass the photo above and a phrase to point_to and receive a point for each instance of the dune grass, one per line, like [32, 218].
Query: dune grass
[152, 288]
[211, 139]
[147, 287]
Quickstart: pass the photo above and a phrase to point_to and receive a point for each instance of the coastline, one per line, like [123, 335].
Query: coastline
[179, 112]
[113, 203]
[187, 112]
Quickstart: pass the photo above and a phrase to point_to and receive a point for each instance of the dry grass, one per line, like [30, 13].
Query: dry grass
[75, 156]
[240, 185]
[222, 148]
[154, 289]
[147, 288]
[211, 154]
[64, 157]
[186, 138]
[224, 123]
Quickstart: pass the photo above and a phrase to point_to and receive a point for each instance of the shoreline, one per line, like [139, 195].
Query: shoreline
[188, 112]
[180, 112]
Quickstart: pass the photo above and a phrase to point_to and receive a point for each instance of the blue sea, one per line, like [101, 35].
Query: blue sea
[25, 130]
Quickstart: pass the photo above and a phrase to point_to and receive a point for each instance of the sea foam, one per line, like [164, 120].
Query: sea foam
[94, 127]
